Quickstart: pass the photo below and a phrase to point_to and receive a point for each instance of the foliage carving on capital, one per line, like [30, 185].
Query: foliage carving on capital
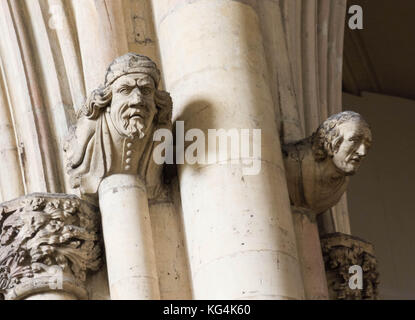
[47, 242]
[340, 253]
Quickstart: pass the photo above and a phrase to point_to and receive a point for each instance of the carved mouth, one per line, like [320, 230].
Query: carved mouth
[136, 114]
[355, 160]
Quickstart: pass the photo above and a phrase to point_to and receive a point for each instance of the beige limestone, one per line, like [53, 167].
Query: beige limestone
[109, 155]
[170, 246]
[28, 129]
[305, 82]
[99, 24]
[65, 47]
[48, 72]
[114, 131]
[165, 214]
[309, 252]
[311, 85]
[318, 167]
[11, 183]
[232, 222]
[52, 296]
[128, 239]
[318, 170]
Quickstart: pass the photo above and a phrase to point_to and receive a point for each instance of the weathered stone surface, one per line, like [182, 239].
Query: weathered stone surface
[109, 157]
[318, 167]
[114, 131]
[341, 251]
[48, 242]
[217, 76]
[317, 171]
[213, 58]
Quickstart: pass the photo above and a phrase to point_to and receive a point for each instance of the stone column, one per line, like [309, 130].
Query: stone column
[109, 158]
[165, 214]
[128, 238]
[23, 88]
[309, 252]
[101, 36]
[49, 243]
[239, 230]
[169, 245]
[11, 182]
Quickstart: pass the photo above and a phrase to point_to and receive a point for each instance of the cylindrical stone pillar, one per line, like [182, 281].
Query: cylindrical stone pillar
[11, 181]
[101, 35]
[128, 238]
[239, 228]
[311, 257]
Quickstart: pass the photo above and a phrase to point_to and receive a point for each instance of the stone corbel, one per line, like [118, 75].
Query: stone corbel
[318, 169]
[109, 156]
[48, 243]
[341, 252]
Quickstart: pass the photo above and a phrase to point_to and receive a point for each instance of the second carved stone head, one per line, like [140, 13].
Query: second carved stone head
[345, 137]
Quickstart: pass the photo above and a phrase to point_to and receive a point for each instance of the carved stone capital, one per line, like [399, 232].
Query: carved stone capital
[47, 242]
[342, 251]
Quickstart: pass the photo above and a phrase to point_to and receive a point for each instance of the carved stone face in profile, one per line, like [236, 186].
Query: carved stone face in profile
[351, 146]
[133, 107]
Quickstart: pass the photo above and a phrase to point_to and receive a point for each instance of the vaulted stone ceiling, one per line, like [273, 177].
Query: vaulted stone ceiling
[381, 57]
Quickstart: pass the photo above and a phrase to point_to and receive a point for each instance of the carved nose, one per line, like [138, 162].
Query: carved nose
[136, 97]
[361, 151]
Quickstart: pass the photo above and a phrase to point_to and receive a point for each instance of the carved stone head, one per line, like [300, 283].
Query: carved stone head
[133, 108]
[114, 130]
[131, 96]
[345, 138]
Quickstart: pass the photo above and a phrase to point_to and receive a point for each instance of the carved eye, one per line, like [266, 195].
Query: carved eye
[124, 90]
[146, 90]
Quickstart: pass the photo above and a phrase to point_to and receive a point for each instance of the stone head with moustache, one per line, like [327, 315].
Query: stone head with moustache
[113, 133]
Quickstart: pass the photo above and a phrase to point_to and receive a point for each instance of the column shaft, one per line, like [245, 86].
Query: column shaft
[238, 227]
[101, 33]
[128, 238]
[11, 182]
[311, 258]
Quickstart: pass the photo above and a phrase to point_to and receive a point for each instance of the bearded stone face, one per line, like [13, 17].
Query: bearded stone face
[132, 107]
[352, 146]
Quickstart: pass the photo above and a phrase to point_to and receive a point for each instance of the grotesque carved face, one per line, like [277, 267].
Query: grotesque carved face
[133, 108]
[351, 146]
